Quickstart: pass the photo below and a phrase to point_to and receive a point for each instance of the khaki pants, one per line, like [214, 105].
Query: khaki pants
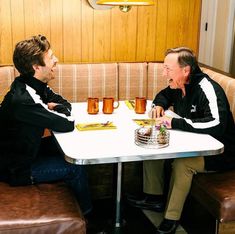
[183, 170]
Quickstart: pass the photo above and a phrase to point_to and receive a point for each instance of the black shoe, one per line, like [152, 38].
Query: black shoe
[167, 226]
[147, 202]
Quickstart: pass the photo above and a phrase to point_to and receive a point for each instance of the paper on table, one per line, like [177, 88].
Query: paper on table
[95, 126]
[144, 122]
[148, 122]
[130, 104]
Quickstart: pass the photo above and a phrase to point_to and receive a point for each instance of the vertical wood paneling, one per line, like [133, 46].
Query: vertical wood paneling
[17, 21]
[123, 35]
[78, 33]
[102, 35]
[192, 40]
[57, 28]
[177, 24]
[37, 17]
[87, 32]
[146, 33]
[5, 32]
[161, 35]
[72, 42]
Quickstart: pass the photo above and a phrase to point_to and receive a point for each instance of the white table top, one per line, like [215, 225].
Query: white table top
[117, 145]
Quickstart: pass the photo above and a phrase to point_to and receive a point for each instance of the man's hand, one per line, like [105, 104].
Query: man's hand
[156, 112]
[51, 105]
[166, 120]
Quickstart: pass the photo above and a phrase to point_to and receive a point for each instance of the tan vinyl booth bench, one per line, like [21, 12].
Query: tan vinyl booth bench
[77, 82]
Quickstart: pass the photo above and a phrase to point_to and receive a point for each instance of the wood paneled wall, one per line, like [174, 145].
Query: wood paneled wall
[78, 33]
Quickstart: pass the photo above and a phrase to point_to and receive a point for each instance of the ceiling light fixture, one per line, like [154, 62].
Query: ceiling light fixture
[125, 5]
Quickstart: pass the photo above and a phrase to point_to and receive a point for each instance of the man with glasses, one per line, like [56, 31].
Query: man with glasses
[203, 108]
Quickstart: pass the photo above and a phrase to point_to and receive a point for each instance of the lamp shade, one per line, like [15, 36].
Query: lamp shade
[95, 6]
[126, 2]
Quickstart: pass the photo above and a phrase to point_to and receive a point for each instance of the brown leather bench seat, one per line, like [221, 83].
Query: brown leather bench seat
[43, 208]
[216, 192]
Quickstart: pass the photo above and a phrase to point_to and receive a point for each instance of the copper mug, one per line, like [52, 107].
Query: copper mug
[92, 105]
[140, 105]
[108, 105]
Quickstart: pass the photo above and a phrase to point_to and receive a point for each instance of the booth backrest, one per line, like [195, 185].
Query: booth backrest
[228, 85]
[156, 81]
[132, 80]
[77, 82]
[7, 75]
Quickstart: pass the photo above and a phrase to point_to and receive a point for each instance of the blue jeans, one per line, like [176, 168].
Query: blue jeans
[50, 166]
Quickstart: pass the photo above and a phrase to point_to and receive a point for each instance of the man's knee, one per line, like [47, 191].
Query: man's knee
[189, 165]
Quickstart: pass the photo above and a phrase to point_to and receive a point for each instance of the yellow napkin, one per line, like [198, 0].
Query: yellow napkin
[95, 126]
[130, 104]
[144, 122]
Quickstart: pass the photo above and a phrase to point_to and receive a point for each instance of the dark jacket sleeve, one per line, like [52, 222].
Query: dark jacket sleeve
[164, 98]
[211, 112]
[38, 114]
[207, 124]
[211, 116]
[63, 105]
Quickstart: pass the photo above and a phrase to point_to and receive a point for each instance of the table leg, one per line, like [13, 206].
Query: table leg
[118, 221]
